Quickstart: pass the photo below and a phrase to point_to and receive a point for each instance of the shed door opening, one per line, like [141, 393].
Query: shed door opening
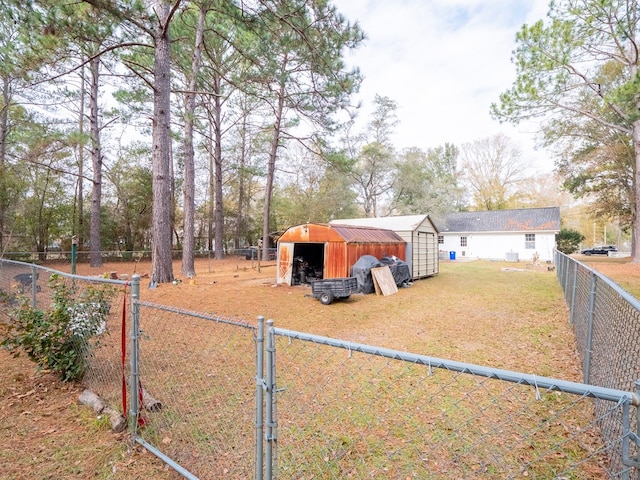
[308, 263]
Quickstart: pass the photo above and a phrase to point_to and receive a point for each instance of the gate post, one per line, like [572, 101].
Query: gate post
[260, 384]
[271, 425]
[134, 361]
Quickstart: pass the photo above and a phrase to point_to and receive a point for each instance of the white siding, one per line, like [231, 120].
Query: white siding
[495, 246]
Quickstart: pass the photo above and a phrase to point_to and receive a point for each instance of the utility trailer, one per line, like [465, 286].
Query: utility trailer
[327, 290]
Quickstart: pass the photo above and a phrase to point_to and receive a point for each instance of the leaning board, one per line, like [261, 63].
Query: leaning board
[383, 281]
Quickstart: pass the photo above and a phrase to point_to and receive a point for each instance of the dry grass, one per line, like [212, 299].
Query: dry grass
[473, 312]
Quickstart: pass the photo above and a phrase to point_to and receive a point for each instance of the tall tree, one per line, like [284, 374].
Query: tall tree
[153, 19]
[161, 260]
[191, 83]
[491, 168]
[559, 67]
[373, 157]
[303, 42]
[11, 73]
[427, 182]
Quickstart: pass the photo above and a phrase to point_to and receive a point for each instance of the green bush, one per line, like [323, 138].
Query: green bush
[568, 240]
[58, 339]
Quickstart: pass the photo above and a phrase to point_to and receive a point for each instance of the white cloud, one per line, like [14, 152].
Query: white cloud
[444, 62]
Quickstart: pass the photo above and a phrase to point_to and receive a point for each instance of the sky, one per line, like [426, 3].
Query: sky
[443, 62]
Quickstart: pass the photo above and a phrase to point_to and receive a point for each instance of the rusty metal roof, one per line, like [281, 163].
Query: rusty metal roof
[355, 234]
[313, 232]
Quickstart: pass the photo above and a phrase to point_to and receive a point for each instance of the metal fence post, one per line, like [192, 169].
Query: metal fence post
[270, 430]
[574, 288]
[34, 286]
[587, 353]
[637, 439]
[134, 376]
[260, 383]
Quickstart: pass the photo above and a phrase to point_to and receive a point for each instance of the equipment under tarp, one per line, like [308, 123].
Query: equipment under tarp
[399, 269]
[362, 271]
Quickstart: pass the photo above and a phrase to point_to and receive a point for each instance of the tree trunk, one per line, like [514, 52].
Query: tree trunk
[271, 169]
[217, 128]
[95, 254]
[212, 189]
[4, 130]
[635, 203]
[188, 268]
[240, 227]
[79, 227]
[161, 261]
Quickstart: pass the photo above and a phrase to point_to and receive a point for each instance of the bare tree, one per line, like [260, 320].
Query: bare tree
[491, 168]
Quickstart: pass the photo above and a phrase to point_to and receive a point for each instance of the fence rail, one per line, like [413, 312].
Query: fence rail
[83, 256]
[218, 397]
[606, 322]
[358, 411]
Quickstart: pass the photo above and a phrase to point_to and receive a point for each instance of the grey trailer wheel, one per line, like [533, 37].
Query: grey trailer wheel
[326, 298]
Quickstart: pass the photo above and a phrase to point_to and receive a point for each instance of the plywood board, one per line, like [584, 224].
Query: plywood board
[383, 281]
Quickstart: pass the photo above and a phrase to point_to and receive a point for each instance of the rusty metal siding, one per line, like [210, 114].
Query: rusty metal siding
[335, 260]
[343, 246]
[378, 250]
[284, 262]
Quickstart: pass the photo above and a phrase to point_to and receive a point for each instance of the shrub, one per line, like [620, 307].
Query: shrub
[58, 339]
[568, 240]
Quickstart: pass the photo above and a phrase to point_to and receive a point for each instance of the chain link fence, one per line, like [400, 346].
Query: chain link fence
[348, 410]
[197, 376]
[606, 321]
[97, 308]
[214, 397]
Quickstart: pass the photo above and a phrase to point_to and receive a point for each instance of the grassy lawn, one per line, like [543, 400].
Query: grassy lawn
[497, 314]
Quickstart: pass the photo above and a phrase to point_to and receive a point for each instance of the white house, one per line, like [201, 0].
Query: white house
[418, 231]
[512, 235]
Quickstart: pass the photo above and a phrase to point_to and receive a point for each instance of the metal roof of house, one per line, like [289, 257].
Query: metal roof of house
[524, 219]
[396, 223]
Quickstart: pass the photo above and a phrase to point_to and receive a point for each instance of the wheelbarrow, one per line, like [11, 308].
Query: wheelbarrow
[327, 290]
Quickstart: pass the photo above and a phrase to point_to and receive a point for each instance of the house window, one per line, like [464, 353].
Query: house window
[463, 241]
[440, 239]
[530, 241]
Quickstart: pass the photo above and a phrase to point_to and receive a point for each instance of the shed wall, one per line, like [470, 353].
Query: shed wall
[339, 253]
[335, 260]
[422, 252]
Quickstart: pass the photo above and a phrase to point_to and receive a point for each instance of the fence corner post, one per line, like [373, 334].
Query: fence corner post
[270, 404]
[134, 374]
[260, 383]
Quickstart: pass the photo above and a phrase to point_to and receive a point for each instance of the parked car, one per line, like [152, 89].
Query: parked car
[600, 250]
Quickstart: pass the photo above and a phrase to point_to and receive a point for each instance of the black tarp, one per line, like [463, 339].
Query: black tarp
[362, 271]
[399, 269]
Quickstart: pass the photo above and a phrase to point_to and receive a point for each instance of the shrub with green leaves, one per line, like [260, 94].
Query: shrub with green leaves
[59, 339]
[568, 240]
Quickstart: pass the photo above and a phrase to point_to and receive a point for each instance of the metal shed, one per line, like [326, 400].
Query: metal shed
[418, 231]
[333, 249]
